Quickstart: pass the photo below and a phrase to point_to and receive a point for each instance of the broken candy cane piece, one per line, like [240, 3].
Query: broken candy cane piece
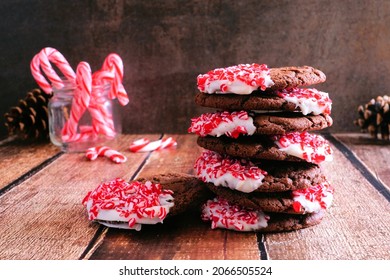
[93, 152]
[144, 145]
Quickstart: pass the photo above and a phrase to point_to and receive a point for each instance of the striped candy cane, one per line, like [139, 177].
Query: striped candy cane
[102, 120]
[93, 152]
[81, 100]
[113, 63]
[42, 61]
[144, 145]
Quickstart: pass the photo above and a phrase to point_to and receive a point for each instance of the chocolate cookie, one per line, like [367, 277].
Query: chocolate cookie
[290, 222]
[257, 100]
[188, 191]
[284, 123]
[251, 177]
[128, 205]
[223, 214]
[309, 200]
[304, 100]
[289, 77]
[243, 79]
[234, 124]
[254, 147]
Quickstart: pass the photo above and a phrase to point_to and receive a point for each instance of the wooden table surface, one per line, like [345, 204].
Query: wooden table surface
[42, 217]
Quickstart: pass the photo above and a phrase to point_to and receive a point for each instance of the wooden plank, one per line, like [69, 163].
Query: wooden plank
[356, 227]
[18, 158]
[374, 153]
[43, 217]
[184, 237]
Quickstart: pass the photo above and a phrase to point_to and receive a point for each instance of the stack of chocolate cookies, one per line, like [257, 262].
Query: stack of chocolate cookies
[260, 158]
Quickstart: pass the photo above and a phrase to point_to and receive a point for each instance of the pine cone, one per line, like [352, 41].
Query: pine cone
[29, 119]
[374, 117]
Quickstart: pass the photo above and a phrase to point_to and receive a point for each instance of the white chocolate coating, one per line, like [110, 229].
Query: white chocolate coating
[236, 174]
[233, 217]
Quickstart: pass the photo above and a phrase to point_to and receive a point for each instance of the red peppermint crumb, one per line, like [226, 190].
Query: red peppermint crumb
[237, 132]
[312, 194]
[250, 74]
[126, 198]
[297, 206]
[216, 165]
[206, 123]
[305, 139]
[308, 93]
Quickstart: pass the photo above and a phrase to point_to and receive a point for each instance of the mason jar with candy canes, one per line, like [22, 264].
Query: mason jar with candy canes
[83, 111]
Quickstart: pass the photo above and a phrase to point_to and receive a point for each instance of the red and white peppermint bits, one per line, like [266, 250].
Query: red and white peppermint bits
[313, 199]
[310, 147]
[144, 145]
[222, 214]
[121, 204]
[100, 151]
[238, 79]
[231, 124]
[221, 170]
[308, 100]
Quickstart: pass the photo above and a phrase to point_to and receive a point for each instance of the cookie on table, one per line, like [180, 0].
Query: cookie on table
[234, 124]
[225, 215]
[288, 147]
[252, 177]
[188, 191]
[128, 205]
[246, 78]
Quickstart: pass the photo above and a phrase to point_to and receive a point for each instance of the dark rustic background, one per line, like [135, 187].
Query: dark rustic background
[166, 44]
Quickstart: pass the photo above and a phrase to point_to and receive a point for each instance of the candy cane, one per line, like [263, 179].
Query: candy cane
[167, 143]
[93, 152]
[113, 63]
[86, 134]
[102, 119]
[48, 55]
[42, 60]
[81, 99]
[102, 77]
[39, 78]
[144, 145]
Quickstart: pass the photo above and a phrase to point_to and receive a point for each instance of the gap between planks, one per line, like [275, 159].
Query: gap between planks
[53, 195]
[361, 166]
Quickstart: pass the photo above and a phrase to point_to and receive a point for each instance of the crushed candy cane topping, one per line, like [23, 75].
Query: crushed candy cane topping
[231, 124]
[313, 199]
[308, 100]
[222, 170]
[135, 203]
[309, 147]
[237, 79]
[222, 214]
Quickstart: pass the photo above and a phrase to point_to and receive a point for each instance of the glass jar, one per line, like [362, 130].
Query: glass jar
[99, 124]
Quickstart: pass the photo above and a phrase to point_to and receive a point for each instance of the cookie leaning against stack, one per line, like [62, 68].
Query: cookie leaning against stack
[260, 160]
